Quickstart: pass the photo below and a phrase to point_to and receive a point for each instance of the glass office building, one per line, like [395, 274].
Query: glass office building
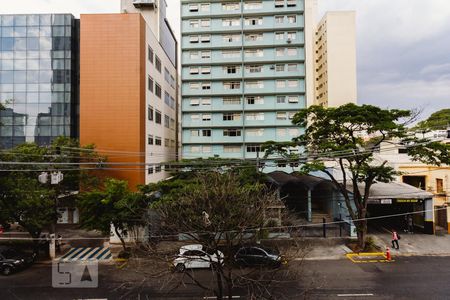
[38, 78]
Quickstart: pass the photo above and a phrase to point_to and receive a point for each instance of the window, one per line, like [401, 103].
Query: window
[150, 170]
[292, 35]
[232, 85]
[279, 35]
[158, 117]
[150, 113]
[195, 132]
[281, 131]
[193, 39]
[194, 54]
[254, 84]
[172, 123]
[206, 70]
[150, 54]
[292, 83]
[205, 22]
[158, 90]
[158, 141]
[292, 67]
[292, 51]
[150, 83]
[172, 143]
[166, 121]
[254, 53]
[293, 99]
[150, 140]
[281, 116]
[279, 68]
[281, 99]
[280, 51]
[231, 116]
[195, 117]
[231, 6]
[205, 7]
[255, 100]
[231, 22]
[194, 85]
[439, 185]
[194, 23]
[291, 115]
[231, 53]
[166, 143]
[206, 101]
[231, 132]
[279, 19]
[206, 149]
[158, 63]
[206, 85]
[206, 117]
[255, 132]
[253, 37]
[231, 69]
[230, 38]
[254, 69]
[255, 116]
[195, 149]
[254, 149]
[253, 5]
[231, 100]
[231, 149]
[291, 3]
[279, 3]
[292, 19]
[205, 38]
[193, 70]
[206, 54]
[253, 21]
[206, 132]
[193, 7]
[157, 168]
[281, 84]
[294, 131]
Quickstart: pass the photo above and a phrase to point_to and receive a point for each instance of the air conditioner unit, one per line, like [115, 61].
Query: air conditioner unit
[289, 41]
[145, 3]
[272, 67]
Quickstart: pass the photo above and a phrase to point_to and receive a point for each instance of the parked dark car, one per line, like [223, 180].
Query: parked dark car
[12, 260]
[258, 256]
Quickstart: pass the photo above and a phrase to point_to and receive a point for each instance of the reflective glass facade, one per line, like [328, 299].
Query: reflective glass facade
[38, 78]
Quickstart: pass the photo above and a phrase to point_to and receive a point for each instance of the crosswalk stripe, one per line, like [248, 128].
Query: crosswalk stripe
[103, 253]
[69, 253]
[87, 254]
[76, 257]
[96, 250]
[77, 250]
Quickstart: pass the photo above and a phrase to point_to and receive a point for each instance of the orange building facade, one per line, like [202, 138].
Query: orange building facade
[112, 91]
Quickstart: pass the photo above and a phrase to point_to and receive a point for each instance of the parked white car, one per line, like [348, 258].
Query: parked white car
[196, 257]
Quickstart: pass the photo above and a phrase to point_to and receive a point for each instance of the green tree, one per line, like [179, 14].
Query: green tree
[114, 205]
[335, 136]
[439, 120]
[23, 199]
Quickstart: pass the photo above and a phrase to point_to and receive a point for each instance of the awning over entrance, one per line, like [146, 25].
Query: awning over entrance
[388, 193]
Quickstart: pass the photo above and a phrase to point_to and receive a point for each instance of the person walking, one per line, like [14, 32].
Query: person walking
[410, 224]
[395, 238]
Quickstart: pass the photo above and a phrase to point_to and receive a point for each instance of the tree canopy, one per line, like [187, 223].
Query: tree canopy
[337, 138]
[439, 120]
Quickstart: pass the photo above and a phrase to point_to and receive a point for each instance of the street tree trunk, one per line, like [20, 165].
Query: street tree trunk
[122, 241]
[361, 228]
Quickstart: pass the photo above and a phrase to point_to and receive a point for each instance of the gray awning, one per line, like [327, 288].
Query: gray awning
[393, 190]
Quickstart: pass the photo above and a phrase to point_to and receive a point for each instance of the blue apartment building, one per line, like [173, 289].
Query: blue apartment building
[243, 75]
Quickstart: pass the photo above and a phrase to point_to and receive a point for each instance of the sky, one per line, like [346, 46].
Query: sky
[403, 46]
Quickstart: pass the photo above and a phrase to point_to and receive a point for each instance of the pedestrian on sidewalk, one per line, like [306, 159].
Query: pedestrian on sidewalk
[410, 224]
[395, 238]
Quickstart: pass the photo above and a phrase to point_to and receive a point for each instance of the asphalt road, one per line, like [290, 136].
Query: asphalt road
[406, 278]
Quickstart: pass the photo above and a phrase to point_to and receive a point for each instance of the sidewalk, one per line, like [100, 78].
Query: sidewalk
[416, 244]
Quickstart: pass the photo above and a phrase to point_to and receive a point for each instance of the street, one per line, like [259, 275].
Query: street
[406, 278]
